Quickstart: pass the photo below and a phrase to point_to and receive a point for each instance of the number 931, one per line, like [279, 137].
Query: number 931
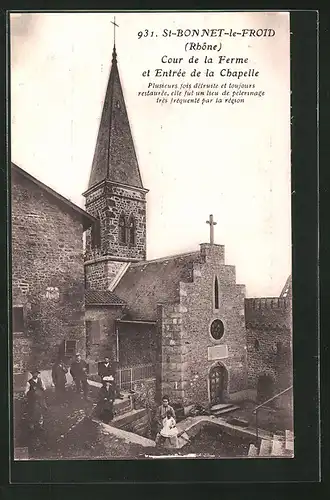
[145, 33]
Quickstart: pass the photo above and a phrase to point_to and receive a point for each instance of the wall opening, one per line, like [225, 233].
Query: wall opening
[216, 293]
[218, 383]
[265, 388]
[131, 231]
[122, 230]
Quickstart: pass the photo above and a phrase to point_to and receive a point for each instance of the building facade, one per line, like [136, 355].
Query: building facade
[47, 274]
[184, 314]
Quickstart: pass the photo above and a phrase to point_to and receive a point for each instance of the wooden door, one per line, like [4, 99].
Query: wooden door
[218, 382]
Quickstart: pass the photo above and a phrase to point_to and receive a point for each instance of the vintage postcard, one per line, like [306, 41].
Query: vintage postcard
[151, 235]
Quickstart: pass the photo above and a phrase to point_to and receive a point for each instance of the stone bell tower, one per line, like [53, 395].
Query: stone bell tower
[115, 195]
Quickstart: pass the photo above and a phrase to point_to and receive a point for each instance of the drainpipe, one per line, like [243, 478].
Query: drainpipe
[117, 344]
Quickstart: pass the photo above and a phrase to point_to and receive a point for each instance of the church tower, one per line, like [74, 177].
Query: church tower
[115, 195]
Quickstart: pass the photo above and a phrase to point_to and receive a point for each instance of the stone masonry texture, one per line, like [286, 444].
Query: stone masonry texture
[269, 340]
[47, 272]
[107, 204]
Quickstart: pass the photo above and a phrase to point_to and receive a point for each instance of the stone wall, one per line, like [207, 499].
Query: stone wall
[107, 203]
[174, 373]
[187, 343]
[137, 344]
[99, 275]
[269, 340]
[47, 270]
[107, 342]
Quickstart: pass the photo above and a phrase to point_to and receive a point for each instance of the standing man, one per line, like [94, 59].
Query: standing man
[79, 370]
[36, 404]
[59, 372]
[105, 369]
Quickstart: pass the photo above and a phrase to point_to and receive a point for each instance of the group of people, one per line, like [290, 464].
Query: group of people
[165, 418]
[35, 389]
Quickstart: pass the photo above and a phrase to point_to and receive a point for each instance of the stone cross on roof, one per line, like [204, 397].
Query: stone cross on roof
[212, 224]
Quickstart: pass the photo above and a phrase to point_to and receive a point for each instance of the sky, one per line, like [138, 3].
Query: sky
[231, 160]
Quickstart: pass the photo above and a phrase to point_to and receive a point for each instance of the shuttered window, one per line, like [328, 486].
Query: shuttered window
[18, 319]
[70, 347]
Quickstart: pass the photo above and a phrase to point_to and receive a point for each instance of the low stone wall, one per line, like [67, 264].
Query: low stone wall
[123, 434]
[240, 396]
[137, 421]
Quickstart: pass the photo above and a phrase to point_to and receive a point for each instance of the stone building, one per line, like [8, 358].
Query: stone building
[47, 274]
[183, 314]
[184, 317]
[269, 342]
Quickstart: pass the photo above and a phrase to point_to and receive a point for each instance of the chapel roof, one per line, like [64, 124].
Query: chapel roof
[148, 283]
[67, 205]
[102, 298]
[114, 157]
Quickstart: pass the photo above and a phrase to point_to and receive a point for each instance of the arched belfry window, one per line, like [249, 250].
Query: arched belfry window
[96, 232]
[131, 231]
[122, 230]
[216, 293]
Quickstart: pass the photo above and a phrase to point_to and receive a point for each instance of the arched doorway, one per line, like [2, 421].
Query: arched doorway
[265, 388]
[218, 381]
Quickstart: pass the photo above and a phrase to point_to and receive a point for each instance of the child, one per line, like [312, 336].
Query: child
[169, 426]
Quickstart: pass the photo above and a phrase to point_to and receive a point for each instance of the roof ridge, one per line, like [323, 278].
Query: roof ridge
[54, 193]
[162, 259]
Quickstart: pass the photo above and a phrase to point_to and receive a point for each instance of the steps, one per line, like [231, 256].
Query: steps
[278, 446]
[221, 409]
[289, 441]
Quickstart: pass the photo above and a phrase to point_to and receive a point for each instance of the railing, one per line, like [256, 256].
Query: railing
[128, 376]
[257, 408]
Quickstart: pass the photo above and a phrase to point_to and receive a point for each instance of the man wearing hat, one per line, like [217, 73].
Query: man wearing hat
[36, 403]
[79, 370]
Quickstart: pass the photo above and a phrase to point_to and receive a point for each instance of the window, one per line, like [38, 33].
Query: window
[18, 319]
[96, 234]
[217, 329]
[256, 344]
[70, 347]
[131, 230]
[216, 293]
[122, 230]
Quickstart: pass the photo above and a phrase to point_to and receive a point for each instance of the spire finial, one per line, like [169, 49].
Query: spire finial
[114, 33]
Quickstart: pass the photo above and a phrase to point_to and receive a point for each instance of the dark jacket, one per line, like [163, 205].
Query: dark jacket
[79, 370]
[106, 371]
[59, 372]
[106, 396]
[35, 393]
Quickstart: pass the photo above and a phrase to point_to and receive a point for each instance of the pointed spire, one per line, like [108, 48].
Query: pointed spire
[114, 55]
[114, 156]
